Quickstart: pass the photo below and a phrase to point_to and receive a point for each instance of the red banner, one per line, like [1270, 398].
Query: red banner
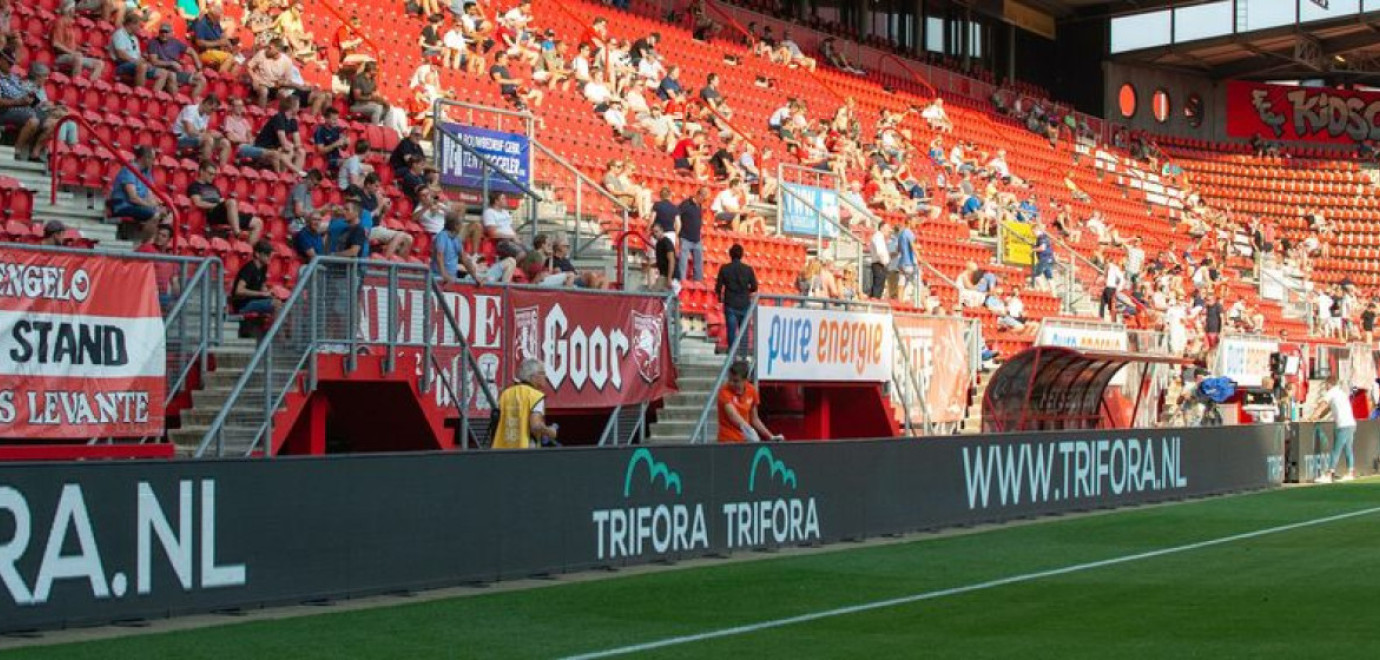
[82, 352]
[936, 351]
[1313, 114]
[600, 350]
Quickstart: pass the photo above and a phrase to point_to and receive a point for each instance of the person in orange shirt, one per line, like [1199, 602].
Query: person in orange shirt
[738, 401]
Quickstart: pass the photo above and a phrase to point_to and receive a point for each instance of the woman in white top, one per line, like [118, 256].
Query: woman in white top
[1174, 317]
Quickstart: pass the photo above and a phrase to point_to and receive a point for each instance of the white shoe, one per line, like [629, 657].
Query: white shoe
[1349, 477]
[1324, 479]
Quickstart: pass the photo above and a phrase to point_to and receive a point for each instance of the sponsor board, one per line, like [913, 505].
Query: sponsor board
[82, 347]
[100, 542]
[1312, 114]
[798, 217]
[1245, 360]
[936, 352]
[802, 344]
[509, 152]
[1083, 336]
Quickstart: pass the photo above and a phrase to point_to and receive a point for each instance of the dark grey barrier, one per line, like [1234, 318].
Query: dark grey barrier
[1310, 450]
[98, 542]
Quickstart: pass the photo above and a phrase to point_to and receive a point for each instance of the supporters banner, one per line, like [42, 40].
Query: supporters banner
[1313, 114]
[600, 350]
[798, 210]
[935, 351]
[796, 344]
[1245, 360]
[510, 152]
[82, 347]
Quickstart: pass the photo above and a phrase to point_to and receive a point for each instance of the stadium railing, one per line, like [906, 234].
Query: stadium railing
[115, 153]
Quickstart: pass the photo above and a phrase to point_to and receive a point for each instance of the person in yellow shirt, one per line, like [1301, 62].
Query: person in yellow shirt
[522, 410]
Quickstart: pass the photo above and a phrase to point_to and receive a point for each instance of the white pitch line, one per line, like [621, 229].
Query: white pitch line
[954, 591]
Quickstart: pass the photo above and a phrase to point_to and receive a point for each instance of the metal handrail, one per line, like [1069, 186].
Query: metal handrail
[119, 157]
[582, 180]
[927, 420]
[534, 198]
[914, 75]
[208, 276]
[842, 231]
[733, 349]
[695, 101]
[620, 250]
[330, 7]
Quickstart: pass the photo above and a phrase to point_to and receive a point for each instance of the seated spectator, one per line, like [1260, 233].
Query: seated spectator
[431, 211]
[663, 129]
[67, 51]
[1074, 190]
[618, 121]
[222, 215]
[170, 54]
[365, 100]
[329, 139]
[936, 117]
[131, 198]
[598, 93]
[552, 68]
[560, 261]
[192, 128]
[241, 134]
[789, 53]
[1010, 311]
[670, 85]
[448, 253]
[129, 59]
[349, 40]
[759, 176]
[498, 222]
[830, 50]
[580, 66]
[282, 135]
[165, 273]
[270, 73]
[512, 88]
[730, 210]
[689, 155]
[374, 207]
[459, 52]
[49, 114]
[432, 42]
[724, 163]
[299, 41]
[407, 149]
[207, 35]
[617, 180]
[309, 242]
[712, 97]
[413, 181]
[301, 210]
[250, 293]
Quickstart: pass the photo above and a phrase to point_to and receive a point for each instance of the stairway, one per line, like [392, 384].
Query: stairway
[698, 367]
[76, 210]
[230, 360]
[972, 420]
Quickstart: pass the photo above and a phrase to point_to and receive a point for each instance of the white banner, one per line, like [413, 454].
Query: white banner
[795, 344]
[1083, 336]
[1245, 360]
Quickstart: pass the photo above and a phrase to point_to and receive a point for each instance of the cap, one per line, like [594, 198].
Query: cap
[54, 227]
[165, 28]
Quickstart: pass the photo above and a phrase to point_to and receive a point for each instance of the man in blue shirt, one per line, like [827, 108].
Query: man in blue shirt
[166, 52]
[670, 85]
[1042, 276]
[448, 253]
[349, 238]
[902, 270]
[691, 240]
[208, 37]
[329, 138]
[130, 197]
[310, 241]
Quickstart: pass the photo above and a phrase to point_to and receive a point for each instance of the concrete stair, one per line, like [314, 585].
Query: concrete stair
[76, 210]
[231, 359]
[972, 421]
[698, 369]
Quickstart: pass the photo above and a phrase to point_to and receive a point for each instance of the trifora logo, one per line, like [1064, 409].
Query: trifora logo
[71, 550]
[776, 520]
[661, 528]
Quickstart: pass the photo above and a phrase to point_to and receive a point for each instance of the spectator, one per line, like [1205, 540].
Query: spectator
[498, 223]
[552, 68]
[282, 135]
[431, 212]
[432, 43]
[308, 96]
[192, 128]
[522, 410]
[936, 117]
[349, 237]
[738, 403]
[789, 53]
[301, 209]
[712, 97]
[637, 198]
[755, 175]
[289, 25]
[67, 51]
[879, 257]
[166, 52]
[448, 252]
[164, 272]
[663, 129]
[408, 148]
[670, 85]
[413, 181]
[1042, 276]
[329, 139]
[250, 293]
[643, 47]
[511, 87]
[829, 49]
[730, 209]
[689, 156]
[904, 268]
[131, 198]
[374, 207]
[458, 52]
[270, 72]
[208, 37]
[1336, 399]
[54, 234]
[130, 61]
[1113, 280]
[222, 215]
[1011, 314]
[365, 100]
[309, 242]
[734, 286]
[723, 163]
[667, 267]
[690, 233]
[48, 114]
[1212, 320]
[242, 136]
[353, 169]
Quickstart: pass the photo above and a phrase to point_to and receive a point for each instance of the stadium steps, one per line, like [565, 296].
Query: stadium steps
[77, 211]
[230, 359]
[698, 367]
[972, 422]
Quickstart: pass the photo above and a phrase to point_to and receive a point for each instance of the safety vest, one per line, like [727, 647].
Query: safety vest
[515, 407]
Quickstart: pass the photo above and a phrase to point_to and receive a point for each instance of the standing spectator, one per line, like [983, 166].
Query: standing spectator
[1135, 260]
[208, 37]
[903, 270]
[1212, 321]
[1042, 276]
[192, 128]
[349, 237]
[67, 51]
[1112, 282]
[131, 198]
[301, 209]
[222, 215]
[511, 87]
[329, 139]
[666, 213]
[1337, 400]
[270, 71]
[522, 410]
[448, 254]
[241, 135]
[250, 293]
[691, 223]
[738, 402]
[666, 263]
[364, 95]
[734, 287]
[880, 258]
[309, 242]
[167, 52]
[129, 59]
[282, 134]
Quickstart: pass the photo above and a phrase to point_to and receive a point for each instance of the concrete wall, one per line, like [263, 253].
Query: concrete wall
[1179, 87]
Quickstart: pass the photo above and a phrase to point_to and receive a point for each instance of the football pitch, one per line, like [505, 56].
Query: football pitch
[1291, 573]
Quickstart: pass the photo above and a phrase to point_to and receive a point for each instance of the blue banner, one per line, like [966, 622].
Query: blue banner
[460, 168]
[798, 218]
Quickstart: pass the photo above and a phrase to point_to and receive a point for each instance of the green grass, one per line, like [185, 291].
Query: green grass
[1310, 592]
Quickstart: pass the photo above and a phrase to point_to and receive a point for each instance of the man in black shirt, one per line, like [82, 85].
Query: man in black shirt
[642, 46]
[510, 87]
[280, 134]
[222, 215]
[414, 180]
[666, 213]
[250, 294]
[1212, 320]
[405, 151]
[734, 287]
[665, 259]
[691, 241]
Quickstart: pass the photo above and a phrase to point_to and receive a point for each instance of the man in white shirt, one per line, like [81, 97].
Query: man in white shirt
[1115, 279]
[998, 164]
[498, 222]
[1337, 402]
[881, 256]
[1135, 260]
[129, 58]
[937, 118]
[597, 92]
[193, 133]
